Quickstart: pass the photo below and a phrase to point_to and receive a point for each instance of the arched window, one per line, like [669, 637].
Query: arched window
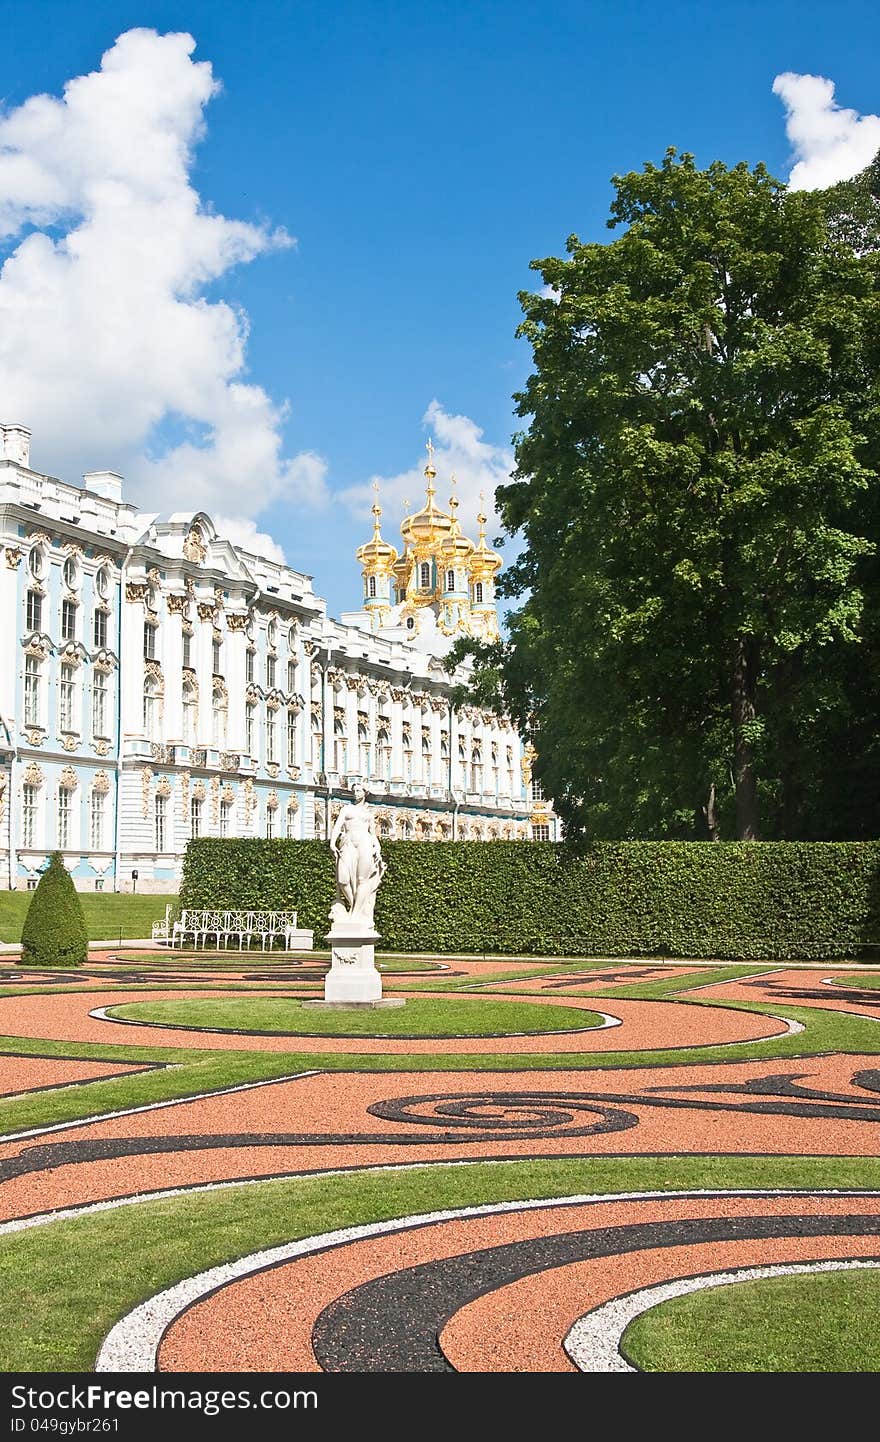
[371, 587]
[151, 708]
[71, 573]
[32, 689]
[424, 575]
[218, 716]
[478, 593]
[29, 806]
[364, 748]
[102, 583]
[37, 563]
[190, 710]
[450, 580]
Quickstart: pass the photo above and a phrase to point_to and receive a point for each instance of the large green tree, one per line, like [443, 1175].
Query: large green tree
[697, 496]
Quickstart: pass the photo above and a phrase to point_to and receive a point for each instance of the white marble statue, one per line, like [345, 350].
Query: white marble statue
[359, 865]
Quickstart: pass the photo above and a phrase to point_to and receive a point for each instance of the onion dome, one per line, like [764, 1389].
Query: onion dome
[485, 562]
[455, 548]
[377, 555]
[428, 526]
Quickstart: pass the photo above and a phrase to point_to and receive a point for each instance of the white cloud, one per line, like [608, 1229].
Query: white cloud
[460, 451]
[831, 142]
[242, 532]
[105, 331]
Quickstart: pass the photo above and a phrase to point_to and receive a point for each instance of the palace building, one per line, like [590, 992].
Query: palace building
[158, 683]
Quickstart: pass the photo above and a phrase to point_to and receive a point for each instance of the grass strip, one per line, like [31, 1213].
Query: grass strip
[818, 1322]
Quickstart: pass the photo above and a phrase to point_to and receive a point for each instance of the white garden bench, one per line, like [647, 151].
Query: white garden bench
[242, 926]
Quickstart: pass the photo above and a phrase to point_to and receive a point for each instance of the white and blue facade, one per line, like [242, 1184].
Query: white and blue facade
[158, 682]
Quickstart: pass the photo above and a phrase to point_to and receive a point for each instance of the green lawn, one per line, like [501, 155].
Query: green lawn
[819, 1322]
[421, 1017]
[109, 917]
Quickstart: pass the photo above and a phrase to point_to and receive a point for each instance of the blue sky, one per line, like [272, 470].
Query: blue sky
[421, 155]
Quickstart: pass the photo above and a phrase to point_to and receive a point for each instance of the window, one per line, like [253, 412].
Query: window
[291, 677]
[340, 747]
[270, 824]
[271, 732]
[444, 745]
[190, 711]
[364, 749]
[541, 831]
[149, 641]
[270, 671]
[316, 741]
[218, 657]
[28, 815]
[371, 587]
[63, 818]
[425, 575]
[151, 710]
[102, 583]
[383, 747]
[218, 711]
[225, 817]
[32, 680]
[195, 817]
[100, 631]
[68, 620]
[99, 704]
[291, 738]
[71, 573]
[537, 790]
[65, 698]
[272, 634]
[291, 825]
[161, 810]
[249, 666]
[291, 637]
[187, 650]
[37, 563]
[410, 623]
[450, 580]
[249, 712]
[96, 820]
[476, 768]
[34, 610]
[478, 593]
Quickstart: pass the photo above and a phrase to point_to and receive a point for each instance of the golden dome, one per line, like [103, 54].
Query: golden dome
[428, 526]
[484, 562]
[455, 547]
[376, 554]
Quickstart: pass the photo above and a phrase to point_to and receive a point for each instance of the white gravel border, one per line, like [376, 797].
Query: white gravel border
[132, 1345]
[593, 1343]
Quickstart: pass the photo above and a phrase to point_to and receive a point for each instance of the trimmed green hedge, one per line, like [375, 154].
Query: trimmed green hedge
[754, 900]
[54, 931]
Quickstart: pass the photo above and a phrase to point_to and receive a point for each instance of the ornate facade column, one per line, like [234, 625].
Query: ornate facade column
[203, 657]
[172, 666]
[234, 663]
[131, 691]
[397, 696]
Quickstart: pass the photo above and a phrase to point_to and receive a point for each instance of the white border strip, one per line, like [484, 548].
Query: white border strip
[132, 1345]
[100, 1014]
[593, 1343]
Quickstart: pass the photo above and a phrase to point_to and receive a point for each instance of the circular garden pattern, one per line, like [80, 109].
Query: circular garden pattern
[532, 1166]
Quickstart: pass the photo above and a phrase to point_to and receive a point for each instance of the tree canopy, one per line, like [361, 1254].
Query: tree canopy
[696, 649]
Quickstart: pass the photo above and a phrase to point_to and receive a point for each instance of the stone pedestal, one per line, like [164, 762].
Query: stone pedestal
[353, 979]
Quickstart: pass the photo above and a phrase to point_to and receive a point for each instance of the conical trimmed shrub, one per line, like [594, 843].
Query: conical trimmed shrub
[54, 932]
